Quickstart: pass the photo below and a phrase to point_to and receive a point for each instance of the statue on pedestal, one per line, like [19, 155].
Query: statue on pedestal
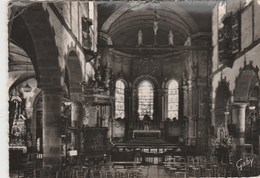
[155, 26]
[140, 38]
[171, 36]
[107, 80]
[98, 81]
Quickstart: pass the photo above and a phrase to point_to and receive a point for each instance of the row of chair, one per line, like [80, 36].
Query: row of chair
[105, 172]
[199, 166]
[202, 166]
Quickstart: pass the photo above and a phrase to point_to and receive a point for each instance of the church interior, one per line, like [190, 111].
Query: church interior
[131, 89]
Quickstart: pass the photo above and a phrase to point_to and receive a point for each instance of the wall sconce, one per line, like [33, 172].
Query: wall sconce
[252, 110]
[66, 101]
[226, 111]
[251, 105]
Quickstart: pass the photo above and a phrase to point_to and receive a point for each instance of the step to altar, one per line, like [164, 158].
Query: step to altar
[146, 134]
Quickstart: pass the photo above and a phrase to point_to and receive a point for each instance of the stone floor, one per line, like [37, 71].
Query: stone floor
[154, 171]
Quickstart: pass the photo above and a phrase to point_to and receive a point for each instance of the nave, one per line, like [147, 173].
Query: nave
[134, 88]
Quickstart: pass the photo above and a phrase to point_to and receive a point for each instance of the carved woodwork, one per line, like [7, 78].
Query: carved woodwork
[94, 141]
[86, 37]
[229, 37]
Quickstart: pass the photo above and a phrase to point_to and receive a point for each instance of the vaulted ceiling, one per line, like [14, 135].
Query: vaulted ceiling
[121, 21]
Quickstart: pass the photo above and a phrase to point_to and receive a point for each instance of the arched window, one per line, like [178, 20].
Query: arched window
[173, 99]
[145, 99]
[120, 100]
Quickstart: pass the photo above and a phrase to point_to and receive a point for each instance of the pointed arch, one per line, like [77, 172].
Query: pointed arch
[43, 46]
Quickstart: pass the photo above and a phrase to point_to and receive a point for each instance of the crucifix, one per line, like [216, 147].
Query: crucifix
[171, 36]
[155, 28]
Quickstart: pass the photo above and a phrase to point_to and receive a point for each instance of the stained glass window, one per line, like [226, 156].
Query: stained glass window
[173, 99]
[120, 99]
[145, 102]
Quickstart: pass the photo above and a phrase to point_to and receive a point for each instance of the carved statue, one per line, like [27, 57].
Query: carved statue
[98, 81]
[107, 79]
[155, 26]
[140, 38]
[171, 36]
[194, 68]
[86, 118]
[16, 107]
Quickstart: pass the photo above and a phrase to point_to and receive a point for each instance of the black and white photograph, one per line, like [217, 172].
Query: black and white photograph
[132, 89]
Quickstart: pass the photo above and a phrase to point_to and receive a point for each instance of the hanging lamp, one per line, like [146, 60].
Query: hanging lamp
[27, 88]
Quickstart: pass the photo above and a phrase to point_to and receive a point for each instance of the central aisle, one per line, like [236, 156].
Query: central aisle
[155, 171]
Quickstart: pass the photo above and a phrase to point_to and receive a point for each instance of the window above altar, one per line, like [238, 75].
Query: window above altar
[145, 99]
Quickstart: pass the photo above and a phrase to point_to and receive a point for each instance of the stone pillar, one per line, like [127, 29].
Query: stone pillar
[128, 112]
[163, 104]
[76, 112]
[135, 105]
[29, 112]
[186, 99]
[258, 125]
[51, 130]
[213, 120]
[226, 121]
[238, 114]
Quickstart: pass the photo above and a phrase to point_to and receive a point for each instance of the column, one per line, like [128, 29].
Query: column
[213, 120]
[76, 112]
[32, 120]
[238, 114]
[51, 130]
[185, 102]
[163, 99]
[258, 125]
[128, 112]
[162, 111]
[226, 121]
[135, 115]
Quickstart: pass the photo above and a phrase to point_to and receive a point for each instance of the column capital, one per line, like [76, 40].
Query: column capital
[52, 91]
[239, 105]
[162, 90]
[76, 103]
[76, 97]
[185, 87]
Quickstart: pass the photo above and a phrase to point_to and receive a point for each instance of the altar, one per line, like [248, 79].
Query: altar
[155, 134]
